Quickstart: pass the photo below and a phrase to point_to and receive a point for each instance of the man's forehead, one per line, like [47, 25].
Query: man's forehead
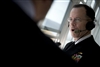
[78, 11]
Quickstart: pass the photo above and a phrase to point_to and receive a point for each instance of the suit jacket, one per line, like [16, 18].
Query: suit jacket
[23, 42]
[86, 52]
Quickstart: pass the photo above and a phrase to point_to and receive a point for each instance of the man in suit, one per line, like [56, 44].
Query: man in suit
[24, 43]
[83, 50]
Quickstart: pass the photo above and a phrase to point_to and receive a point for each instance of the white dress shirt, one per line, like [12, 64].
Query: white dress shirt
[83, 38]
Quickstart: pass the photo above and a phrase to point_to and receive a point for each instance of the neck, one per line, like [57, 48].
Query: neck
[85, 34]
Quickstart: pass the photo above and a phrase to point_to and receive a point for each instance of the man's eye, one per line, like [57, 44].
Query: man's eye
[77, 20]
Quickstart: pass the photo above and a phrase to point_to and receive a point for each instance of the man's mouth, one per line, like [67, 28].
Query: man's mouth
[72, 29]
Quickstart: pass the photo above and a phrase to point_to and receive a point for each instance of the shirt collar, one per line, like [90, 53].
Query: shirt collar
[83, 38]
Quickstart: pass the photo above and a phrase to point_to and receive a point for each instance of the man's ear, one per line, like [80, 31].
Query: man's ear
[68, 24]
